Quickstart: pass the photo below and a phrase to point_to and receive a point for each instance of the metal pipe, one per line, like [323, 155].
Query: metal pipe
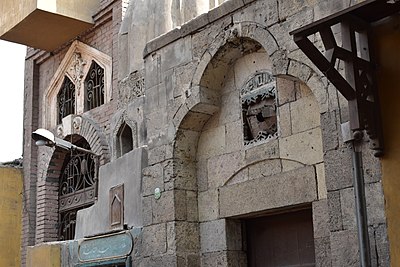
[361, 209]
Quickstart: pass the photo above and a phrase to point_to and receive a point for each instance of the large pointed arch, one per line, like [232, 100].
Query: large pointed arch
[75, 66]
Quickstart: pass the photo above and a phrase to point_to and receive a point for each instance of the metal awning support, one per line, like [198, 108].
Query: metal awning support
[357, 84]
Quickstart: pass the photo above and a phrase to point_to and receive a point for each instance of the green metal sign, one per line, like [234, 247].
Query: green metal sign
[105, 247]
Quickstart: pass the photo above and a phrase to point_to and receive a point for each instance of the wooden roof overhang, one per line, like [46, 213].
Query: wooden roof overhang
[357, 83]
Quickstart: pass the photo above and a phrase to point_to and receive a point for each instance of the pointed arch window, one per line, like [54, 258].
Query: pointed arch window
[66, 99]
[89, 72]
[94, 87]
[77, 189]
[124, 140]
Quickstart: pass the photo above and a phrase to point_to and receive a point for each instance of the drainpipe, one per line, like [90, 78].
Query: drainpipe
[355, 141]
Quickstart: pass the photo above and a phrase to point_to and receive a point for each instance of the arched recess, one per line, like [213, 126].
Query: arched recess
[73, 129]
[198, 119]
[122, 121]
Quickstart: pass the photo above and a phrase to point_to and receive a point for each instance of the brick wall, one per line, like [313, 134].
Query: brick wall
[42, 166]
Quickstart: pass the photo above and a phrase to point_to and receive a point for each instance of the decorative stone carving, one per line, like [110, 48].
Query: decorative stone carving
[77, 72]
[131, 87]
[259, 108]
[60, 131]
[77, 123]
[117, 206]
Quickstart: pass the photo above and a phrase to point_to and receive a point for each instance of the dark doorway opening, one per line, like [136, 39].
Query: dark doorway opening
[281, 240]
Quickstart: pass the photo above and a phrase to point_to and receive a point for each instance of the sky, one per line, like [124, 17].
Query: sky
[12, 60]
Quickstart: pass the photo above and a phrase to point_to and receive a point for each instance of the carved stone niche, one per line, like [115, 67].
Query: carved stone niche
[116, 208]
[258, 97]
[71, 124]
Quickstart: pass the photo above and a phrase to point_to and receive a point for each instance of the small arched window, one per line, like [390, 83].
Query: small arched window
[124, 140]
[94, 87]
[66, 99]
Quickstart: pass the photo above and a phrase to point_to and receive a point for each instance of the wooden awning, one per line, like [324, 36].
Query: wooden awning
[352, 46]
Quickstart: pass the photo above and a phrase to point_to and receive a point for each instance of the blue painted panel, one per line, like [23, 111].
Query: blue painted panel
[106, 247]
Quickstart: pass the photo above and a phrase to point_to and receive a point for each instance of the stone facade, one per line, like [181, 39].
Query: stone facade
[191, 181]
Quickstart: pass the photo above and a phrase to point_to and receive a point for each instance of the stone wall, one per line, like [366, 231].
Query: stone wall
[198, 178]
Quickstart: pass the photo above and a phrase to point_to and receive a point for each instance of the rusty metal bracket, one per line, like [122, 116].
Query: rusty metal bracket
[358, 82]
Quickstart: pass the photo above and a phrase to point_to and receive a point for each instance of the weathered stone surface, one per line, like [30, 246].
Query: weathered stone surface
[231, 108]
[234, 235]
[246, 66]
[211, 143]
[330, 130]
[154, 239]
[276, 191]
[213, 236]
[305, 147]
[264, 13]
[344, 249]
[208, 205]
[152, 178]
[234, 136]
[268, 150]
[186, 236]
[280, 30]
[288, 8]
[326, 8]
[304, 114]
[299, 70]
[321, 218]
[371, 165]
[335, 212]
[192, 212]
[322, 252]
[265, 168]
[289, 165]
[284, 121]
[382, 245]
[338, 169]
[286, 90]
[185, 144]
[202, 175]
[224, 258]
[322, 192]
[147, 210]
[163, 208]
[218, 173]
[375, 205]
[224, 9]
[318, 85]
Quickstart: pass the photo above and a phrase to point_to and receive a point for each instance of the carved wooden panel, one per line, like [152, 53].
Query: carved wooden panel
[116, 207]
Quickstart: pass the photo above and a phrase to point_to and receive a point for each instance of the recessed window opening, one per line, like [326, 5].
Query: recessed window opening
[259, 108]
[66, 99]
[94, 87]
[124, 140]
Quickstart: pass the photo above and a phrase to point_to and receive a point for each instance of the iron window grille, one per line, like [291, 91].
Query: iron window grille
[66, 99]
[94, 86]
[77, 190]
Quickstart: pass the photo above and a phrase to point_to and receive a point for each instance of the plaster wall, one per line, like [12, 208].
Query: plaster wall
[11, 216]
[124, 170]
